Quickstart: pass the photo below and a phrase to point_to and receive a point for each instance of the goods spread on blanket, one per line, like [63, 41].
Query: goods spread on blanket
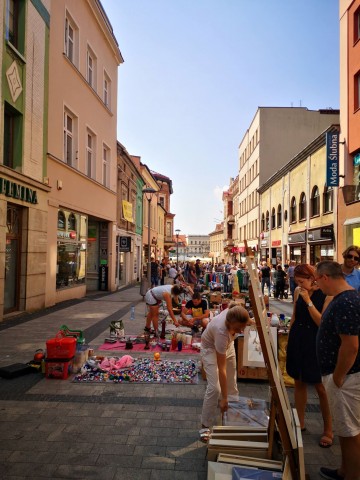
[141, 371]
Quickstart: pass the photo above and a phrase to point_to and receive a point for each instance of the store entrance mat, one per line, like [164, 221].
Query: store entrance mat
[142, 370]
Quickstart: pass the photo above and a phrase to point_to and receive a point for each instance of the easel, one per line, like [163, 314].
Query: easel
[281, 412]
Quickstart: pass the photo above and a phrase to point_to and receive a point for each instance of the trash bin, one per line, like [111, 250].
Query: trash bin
[144, 286]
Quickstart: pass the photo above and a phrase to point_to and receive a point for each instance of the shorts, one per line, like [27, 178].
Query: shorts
[150, 300]
[344, 404]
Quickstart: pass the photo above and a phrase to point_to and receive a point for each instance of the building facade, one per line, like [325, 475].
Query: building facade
[274, 136]
[24, 190]
[298, 212]
[349, 144]
[198, 246]
[216, 244]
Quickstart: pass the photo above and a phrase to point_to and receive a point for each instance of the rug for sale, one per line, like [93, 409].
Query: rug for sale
[140, 347]
[143, 370]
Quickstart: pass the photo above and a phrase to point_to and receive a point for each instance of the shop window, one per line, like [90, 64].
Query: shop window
[315, 202]
[71, 264]
[61, 220]
[71, 222]
[293, 210]
[302, 207]
[279, 216]
[262, 222]
[13, 122]
[267, 221]
[273, 218]
[328, 199]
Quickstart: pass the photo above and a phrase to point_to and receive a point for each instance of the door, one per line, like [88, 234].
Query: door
[12, 258]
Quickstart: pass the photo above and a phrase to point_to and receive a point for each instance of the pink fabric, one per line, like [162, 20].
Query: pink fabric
[110, 363]
[138, 347]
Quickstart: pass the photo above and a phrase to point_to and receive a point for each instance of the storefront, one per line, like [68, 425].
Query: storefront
[321, 241]
[23, 212]
[297, 245]
[276, 252]
[264, 246]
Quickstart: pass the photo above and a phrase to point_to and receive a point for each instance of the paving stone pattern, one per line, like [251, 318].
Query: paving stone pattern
[55, 429]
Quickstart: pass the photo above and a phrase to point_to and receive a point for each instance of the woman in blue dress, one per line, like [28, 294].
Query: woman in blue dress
[301, 361]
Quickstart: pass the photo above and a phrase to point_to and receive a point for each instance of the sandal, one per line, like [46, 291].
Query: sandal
[325, 441]
[204, 435]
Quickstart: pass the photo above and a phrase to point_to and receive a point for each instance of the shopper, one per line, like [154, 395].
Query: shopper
[350, 267]
[219, 363]
[301, 361]
[153, 299]
[265, 277]
[280, 282]
[339, 358]
[290, 274]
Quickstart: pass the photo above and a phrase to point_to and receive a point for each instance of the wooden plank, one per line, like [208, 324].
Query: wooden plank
[250, 461]
[300, 446]
[238, 428]
[213, 452]
[252, 437]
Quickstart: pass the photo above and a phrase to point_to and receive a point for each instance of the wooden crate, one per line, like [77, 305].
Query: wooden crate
[254, 373]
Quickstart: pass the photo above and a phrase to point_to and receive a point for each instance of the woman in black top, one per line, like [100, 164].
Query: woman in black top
[280, 282]
[301, 360]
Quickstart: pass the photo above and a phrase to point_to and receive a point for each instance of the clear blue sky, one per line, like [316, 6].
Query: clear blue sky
[195, 72]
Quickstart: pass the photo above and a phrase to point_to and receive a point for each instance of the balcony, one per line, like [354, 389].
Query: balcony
[351, 193]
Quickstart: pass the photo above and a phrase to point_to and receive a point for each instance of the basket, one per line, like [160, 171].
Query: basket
[61, 347]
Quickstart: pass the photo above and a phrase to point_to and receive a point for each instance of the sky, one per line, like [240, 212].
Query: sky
[194, 74]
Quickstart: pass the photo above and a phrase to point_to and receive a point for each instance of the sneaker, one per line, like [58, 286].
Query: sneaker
[330, 473]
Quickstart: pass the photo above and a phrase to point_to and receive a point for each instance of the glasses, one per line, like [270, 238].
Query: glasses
[352, 257]
[318, 278]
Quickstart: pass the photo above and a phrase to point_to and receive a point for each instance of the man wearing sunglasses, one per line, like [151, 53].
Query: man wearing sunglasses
[350, 267]
[337, 348]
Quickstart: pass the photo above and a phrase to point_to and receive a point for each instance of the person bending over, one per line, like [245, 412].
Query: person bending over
[219, 362]
[153, 299]
[195, 314]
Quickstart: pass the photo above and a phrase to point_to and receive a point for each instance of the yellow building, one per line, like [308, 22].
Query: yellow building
[297, 210]
[217, 243]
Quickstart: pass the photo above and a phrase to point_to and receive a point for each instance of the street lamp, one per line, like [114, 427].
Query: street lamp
[148, 192]
[177, 231]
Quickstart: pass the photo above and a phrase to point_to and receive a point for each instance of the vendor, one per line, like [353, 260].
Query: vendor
[153, 299]
[195, 314]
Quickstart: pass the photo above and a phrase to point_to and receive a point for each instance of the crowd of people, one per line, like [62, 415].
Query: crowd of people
[323, 346]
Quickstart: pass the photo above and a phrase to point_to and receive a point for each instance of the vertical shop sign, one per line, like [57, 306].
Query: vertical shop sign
[332, 159]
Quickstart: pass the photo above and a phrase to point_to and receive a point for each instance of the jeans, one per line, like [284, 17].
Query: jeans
[154, 281]
[265, 281]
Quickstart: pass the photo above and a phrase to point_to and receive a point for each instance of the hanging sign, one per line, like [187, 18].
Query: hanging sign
[127, 211]
[332, 159]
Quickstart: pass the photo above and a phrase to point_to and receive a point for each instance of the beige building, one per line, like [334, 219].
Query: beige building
[274, 136]
[24, 53]
[82, 151]
[216, 244]
[231, 219]
[297, 211]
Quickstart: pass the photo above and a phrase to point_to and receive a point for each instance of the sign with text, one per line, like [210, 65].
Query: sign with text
[125, 244]
[332, 159]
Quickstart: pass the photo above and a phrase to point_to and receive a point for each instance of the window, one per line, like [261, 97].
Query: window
[357, 91]
[105, 166]
[71, 40]
[262, 222]
[91, 68]
[273, 223]
[90, 154]
[162, 201]
[293, 210]
[107, 91]
[279, 216]
[267, 221]
[71, 222]
[61, 220]
[13, 121]
[15, 10]
[70, 124]
[328, 199]
[357, 25]
[302, 207]
[315, 201]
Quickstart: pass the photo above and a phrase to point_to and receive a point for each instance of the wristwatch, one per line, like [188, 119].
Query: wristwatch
[310, 304]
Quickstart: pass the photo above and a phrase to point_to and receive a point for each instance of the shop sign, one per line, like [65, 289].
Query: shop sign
[125, 244]
[276, 243]
[264, 243]
[19, 192]
[327, 232]
[61, 234]
[332, 159]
